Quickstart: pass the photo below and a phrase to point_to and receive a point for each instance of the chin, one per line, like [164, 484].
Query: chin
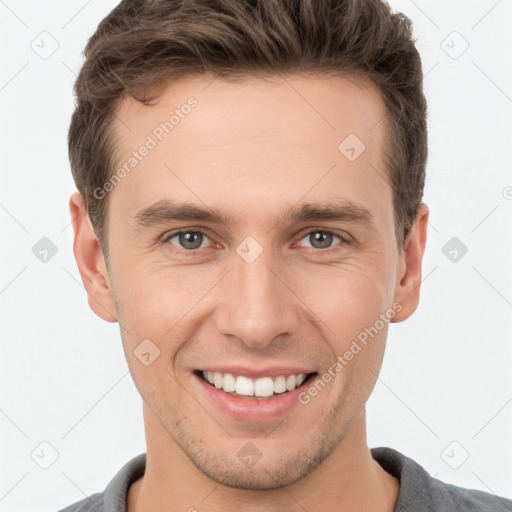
[270, 471]
[258, 478]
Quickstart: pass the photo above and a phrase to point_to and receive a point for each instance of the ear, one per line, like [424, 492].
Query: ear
[90, 261]
[407, 288]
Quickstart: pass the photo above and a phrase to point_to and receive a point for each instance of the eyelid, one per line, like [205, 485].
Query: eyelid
[172, 234]
[344, 237]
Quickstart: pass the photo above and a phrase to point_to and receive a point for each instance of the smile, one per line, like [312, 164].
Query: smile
[260, 388]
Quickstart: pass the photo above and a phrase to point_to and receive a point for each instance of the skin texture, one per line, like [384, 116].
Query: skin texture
[254, 149]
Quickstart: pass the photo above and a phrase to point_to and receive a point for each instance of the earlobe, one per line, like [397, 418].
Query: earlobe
[90, 261]
[408, 277]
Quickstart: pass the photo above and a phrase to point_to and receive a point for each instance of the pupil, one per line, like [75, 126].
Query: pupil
[320, 239]
[324, 238]
[189, 238]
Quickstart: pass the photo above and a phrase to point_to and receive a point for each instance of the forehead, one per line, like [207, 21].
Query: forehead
[251, 144]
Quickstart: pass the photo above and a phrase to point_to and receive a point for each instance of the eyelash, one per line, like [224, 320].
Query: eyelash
[193, 252]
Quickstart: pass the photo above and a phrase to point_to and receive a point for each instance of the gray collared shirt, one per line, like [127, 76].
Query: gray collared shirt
[419, 492]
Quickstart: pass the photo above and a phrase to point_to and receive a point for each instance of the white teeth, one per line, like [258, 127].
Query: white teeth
[262, 387]
[229, 382]
[280, 384]
[244, 386]
[291, 382]
[217, 380]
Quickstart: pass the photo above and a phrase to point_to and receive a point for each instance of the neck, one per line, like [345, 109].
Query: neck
[349, 479]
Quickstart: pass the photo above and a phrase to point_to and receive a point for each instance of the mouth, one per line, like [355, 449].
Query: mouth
[262, 388]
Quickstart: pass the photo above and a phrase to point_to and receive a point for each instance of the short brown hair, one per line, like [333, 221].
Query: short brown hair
[143, 44]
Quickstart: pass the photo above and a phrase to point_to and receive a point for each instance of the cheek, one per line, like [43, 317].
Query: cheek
[156, 295]
[346, 298]
[162, 302]
[149, 313]
[166, 306]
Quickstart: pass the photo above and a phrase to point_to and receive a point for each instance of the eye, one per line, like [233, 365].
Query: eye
[188, 240]
[191, 241]
[322, 239]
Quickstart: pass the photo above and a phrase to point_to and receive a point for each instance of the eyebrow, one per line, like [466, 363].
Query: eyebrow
[166, 210]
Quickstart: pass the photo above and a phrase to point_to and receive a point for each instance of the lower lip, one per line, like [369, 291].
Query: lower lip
[253, 409]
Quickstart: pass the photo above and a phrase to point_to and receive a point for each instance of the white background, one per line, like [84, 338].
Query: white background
[446, 375]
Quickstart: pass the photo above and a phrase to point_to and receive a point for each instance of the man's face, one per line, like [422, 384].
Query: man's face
[267, 295]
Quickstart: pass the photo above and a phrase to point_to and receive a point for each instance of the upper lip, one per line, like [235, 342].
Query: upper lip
[256, 373]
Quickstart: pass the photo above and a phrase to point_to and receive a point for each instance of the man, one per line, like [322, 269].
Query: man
[249, 211]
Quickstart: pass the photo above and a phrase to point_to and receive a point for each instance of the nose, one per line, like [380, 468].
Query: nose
[256, 305]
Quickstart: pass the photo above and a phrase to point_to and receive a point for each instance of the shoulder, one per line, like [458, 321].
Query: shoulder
[419, 492]
[93, 503]
[448, 497]
[113, 498]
